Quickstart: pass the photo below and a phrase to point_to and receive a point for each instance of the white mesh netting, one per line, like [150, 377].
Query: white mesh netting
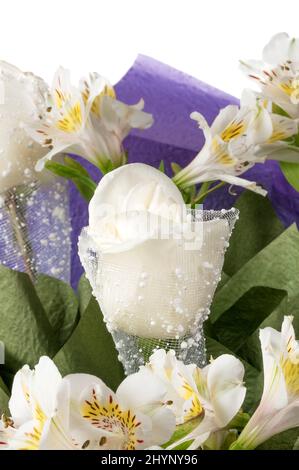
[35, 229]
[158, 294]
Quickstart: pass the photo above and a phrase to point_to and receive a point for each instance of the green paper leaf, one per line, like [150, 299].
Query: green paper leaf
[291, 172]
[60, 304]
[284, 441]
[296, 445]
[4, 398]
[91, 350]
[84, 293]
[3, 387]
[275, 267]
[24, 327]
[250, 235]
[244, 317]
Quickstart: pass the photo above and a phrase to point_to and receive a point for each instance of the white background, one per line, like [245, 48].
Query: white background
[204, 38]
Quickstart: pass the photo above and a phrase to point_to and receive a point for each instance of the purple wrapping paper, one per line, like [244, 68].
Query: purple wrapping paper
[171, 96]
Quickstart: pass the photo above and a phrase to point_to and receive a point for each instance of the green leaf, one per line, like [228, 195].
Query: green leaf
[4, 398]
[106, 165]
[284, 441]
[60, 304]
[70, 162]
[275, 267]
[245, 316]
[84, 293]
[239, 421]
[182, 431]
[250, 235]
[162, 166]
[251, 350]
[85, 190]
[91, 350]
[24, 327]
[296, 445]
[84, 183]
[3, 386]
[176, 168]
[278, 110]
[291, 172]
[183, 446]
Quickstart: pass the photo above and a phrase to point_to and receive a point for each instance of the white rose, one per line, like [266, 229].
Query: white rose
[22, 100]
[149, 285]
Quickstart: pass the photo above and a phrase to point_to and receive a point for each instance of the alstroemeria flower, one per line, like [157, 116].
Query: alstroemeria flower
[7, 432]
[32, 405]
[237, 139]
[278, 143]
[88, 121]
[135, 417]
[227, 152]
[80, 412]
[37, 422]
[212, 396]
[279, 406]
[278, 72]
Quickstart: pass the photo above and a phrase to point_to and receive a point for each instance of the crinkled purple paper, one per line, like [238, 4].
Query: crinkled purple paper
[171, 96]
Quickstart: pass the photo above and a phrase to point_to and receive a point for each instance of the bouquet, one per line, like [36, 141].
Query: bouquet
[182, 334]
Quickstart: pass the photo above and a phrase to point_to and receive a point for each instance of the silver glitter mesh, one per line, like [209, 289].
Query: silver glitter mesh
[35, 229]
[153, 298]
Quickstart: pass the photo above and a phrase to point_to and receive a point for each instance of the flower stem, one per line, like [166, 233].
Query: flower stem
[237, 446]
[18, 223]
[205, 190]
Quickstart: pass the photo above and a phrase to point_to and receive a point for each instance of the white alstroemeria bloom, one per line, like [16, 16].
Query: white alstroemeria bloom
[7, 432]
[135, 417]
[32, 405]
[181, 387]
[40, 412]
[278, 72]
[277, 145]
[229, 147]
[279, 406]
[88, 121]
[213, 395]
[237, 139]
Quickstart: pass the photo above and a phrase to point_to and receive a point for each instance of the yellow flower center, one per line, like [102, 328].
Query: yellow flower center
[72, 120]
[32, 438]
[96, 104]
[277, 135]
[234, 129]
[60, 98]
[195, 409]
[221, 155]
[111, 418]
[291, 88]
[291, 375]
